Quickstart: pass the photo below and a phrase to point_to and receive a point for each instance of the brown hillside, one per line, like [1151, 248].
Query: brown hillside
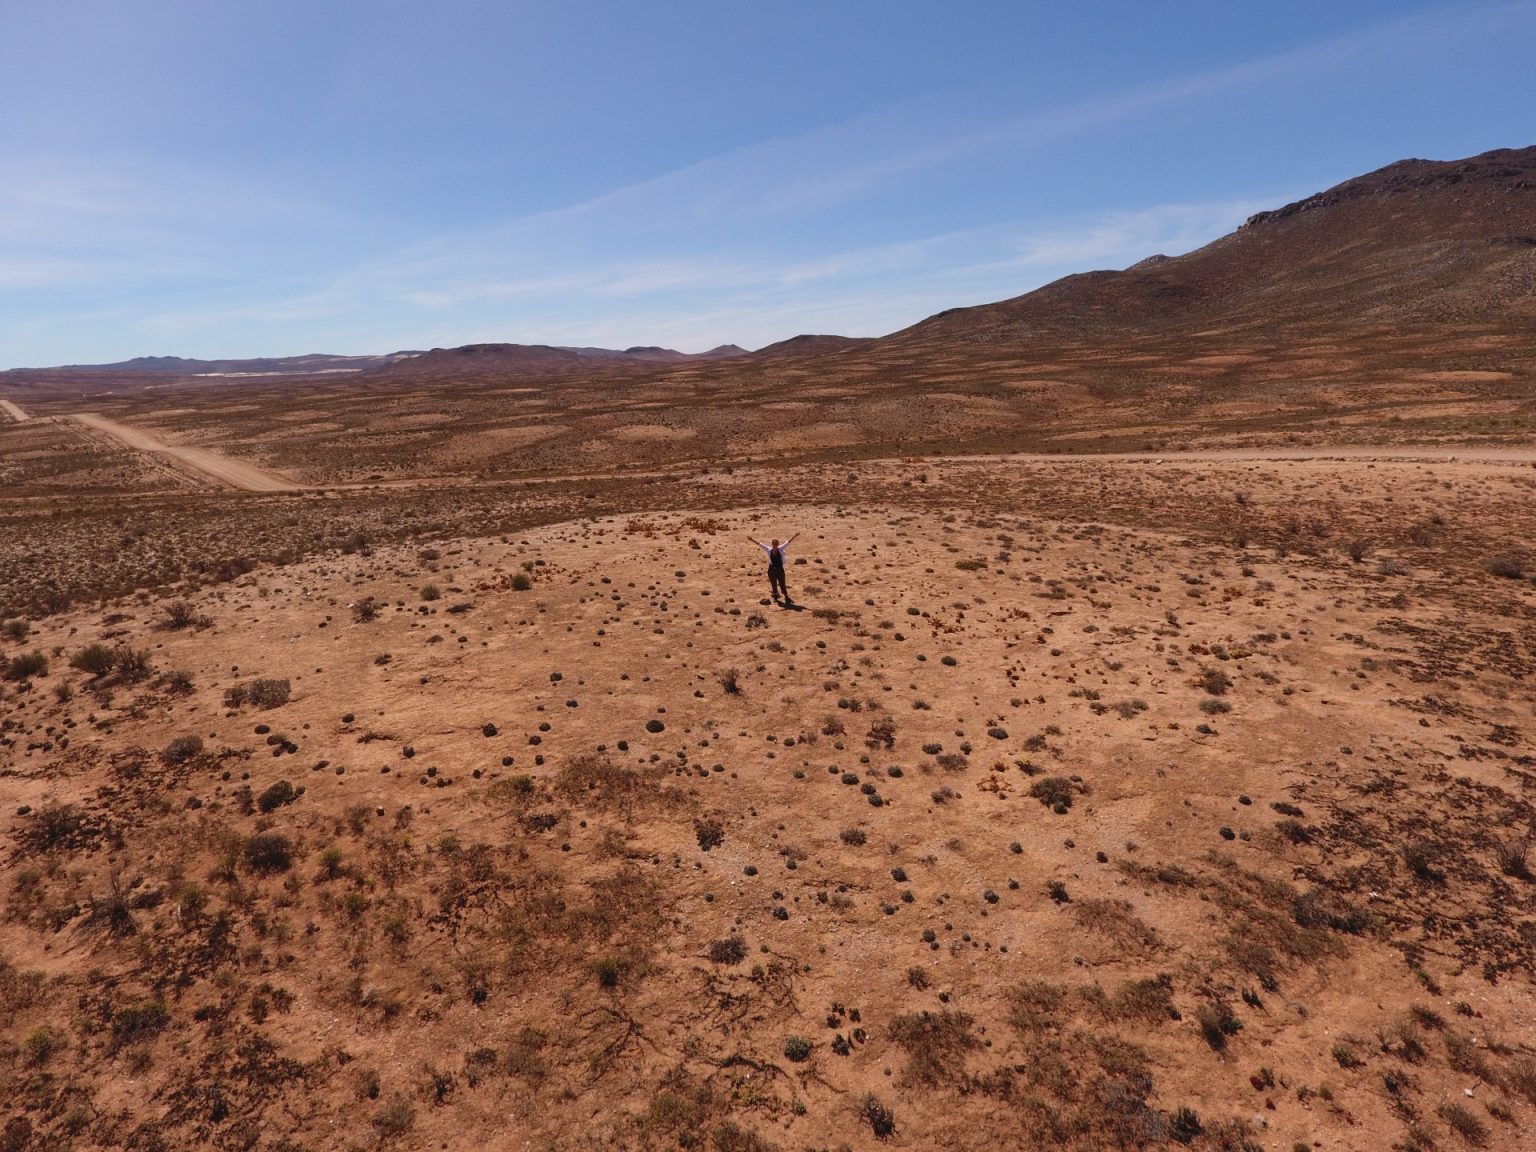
[1416, 243]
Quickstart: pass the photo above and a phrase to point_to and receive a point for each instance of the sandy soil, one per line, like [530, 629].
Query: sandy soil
[1079, 804]
[13, 411]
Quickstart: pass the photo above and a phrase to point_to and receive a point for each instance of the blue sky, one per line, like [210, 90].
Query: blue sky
[286, 176]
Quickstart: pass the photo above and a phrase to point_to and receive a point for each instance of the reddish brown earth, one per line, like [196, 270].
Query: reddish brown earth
[470, 794]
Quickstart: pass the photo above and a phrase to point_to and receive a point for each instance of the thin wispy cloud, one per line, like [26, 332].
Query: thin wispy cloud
[927, 201]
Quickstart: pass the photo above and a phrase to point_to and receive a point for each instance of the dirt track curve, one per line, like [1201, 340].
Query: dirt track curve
[222, 469]
[13, 412]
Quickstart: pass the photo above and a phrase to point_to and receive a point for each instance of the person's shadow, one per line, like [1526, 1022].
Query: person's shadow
[791, 606]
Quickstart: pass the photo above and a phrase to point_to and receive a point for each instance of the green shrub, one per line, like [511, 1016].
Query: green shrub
[41, 1044]
[1345, 1056]
[1465, 1122]
[94, 659]
[521, 582]
[330, 862]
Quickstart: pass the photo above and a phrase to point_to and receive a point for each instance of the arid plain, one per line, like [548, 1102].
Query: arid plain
[414, 759]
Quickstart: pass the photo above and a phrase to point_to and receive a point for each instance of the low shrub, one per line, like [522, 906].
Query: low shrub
[882, 1120]
[1465, 1122]
[268, 852]
[181, 614]
[139, 1023]
[1215, 681]
[182, 749]
[277, 795]
[1509, 565]
[259, 694]
[177, 681]
[396, 1117]
[728, 950]
[710, 832]
[1420, 858]
[882, 733]
[606, 969]
[26, 666]
[1217, 1023]
[1052, 791]
[132, 663]
[1514, 857]
[94, 660]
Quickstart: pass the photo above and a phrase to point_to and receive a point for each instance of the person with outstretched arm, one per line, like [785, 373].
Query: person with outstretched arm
[776, 585]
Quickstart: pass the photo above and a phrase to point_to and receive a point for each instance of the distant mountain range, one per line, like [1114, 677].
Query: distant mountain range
[1426, 266]
[517, 357]
[311, 365]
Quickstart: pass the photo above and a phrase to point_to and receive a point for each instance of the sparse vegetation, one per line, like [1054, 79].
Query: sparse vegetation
[1509, 565]
[262, 693]
[728, 950]
[181, 614]
[182, 749]
[1217, 1024]
[1514, 857]
[94, 660]
[268, 852]
[26, 666]
[882, 1121]
[1053, 791]
[549, 855]
[710, 832]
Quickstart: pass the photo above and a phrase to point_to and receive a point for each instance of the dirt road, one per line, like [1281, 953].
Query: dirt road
[221, 469]
[13, 412]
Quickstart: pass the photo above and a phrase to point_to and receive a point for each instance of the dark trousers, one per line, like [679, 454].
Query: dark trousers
[776, 581]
